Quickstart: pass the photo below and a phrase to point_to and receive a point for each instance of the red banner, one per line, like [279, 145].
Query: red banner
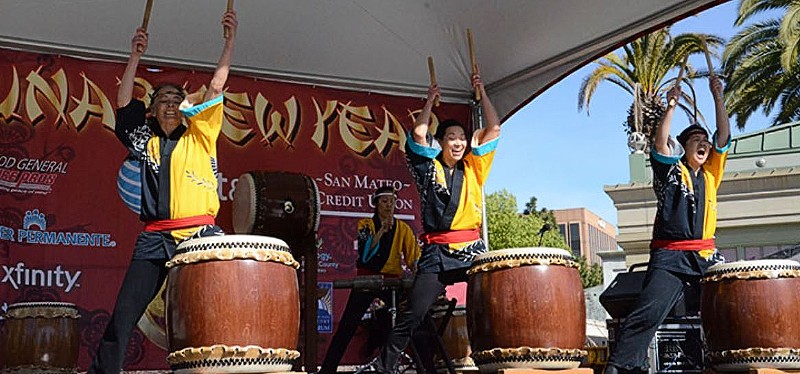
[65, 233]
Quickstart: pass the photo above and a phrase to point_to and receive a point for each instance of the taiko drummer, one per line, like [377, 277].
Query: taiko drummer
[176, 146]
[450, 183]
[686, 176]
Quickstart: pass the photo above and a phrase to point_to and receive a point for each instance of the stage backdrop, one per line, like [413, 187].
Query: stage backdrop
[65, 233]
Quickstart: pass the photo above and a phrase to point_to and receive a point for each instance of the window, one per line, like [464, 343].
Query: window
[575, 238]
[730, 254]
[563, 229]
[752, 253]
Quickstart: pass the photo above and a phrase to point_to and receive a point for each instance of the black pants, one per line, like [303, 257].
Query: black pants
[357, 304]
[660, 291]
[427, 287]
[142, 282]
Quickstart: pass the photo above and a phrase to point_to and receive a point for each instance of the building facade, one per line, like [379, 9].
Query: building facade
[586, 233]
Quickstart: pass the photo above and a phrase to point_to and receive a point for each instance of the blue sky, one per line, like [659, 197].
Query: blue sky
[564, 158]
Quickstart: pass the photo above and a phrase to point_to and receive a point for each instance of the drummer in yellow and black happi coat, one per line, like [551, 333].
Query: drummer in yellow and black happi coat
[686, 177]
[176, 147]
[450, 183]
[384, 244]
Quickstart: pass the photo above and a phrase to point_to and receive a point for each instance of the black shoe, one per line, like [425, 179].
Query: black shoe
[611, 369]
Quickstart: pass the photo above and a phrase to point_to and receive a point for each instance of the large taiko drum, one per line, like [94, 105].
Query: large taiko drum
[455, 337]
[525, 309]
[277, 204]
[749, 313]
[233, 306]
[40, 337]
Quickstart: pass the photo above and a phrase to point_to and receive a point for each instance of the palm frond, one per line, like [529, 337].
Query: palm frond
[749, 8]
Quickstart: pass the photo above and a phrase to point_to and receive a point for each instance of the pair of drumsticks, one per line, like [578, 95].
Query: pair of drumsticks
[149, 7]
[473, 61]
[672, 102]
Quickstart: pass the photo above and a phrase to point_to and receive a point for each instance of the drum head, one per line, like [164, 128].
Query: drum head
[532, 252]
[42, 309]
[209, 243]
[750, 266]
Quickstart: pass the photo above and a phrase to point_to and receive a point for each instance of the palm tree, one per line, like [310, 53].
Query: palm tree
[641, 70]
[788, 31]
[761, 63]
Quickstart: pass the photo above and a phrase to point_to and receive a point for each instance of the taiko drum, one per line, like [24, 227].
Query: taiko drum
[233, 305]
[455, 336]
[40, 337]
[277, 204]
[749, 312]
[525, 309]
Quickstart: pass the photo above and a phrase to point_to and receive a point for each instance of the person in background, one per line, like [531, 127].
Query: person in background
[384, 243]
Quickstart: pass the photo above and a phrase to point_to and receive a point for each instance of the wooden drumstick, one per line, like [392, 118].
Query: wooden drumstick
[147, 8]
[146, 19]
[432, 72]
[227, 31]
[473, 60]
[708, 58]
[672, 101]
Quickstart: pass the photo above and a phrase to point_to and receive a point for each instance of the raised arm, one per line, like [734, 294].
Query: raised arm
[138, 47]
[723, 122]
[662, 132]
[492, 127]
[224, 65]
[422, 122]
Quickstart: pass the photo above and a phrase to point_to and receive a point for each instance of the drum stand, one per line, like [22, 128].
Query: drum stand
[370, 366]
[416, 360]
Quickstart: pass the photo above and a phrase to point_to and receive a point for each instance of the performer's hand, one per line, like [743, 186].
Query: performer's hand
[716, 87]
[673, 95]
[477, 82]
[230, 21]
[434, 92]
[139, 42]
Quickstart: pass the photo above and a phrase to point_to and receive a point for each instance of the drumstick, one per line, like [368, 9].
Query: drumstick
[473, 60]
[146, 19]
[227, 31]
[432, 72]
[708, 58]
[672, 101]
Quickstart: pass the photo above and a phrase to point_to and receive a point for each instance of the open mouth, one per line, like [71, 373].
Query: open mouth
[701, 152]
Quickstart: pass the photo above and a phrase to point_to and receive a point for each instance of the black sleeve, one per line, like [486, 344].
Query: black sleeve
[131, 127]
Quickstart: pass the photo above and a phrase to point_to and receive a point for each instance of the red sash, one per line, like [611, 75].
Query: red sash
[683, 245]
[179, 223]
[447, 237]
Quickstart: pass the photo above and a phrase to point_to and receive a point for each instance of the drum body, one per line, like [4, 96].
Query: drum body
[748, 310]
[40, 337]
[455, 337]
[232, 305]
[281, 205]
[525, 309]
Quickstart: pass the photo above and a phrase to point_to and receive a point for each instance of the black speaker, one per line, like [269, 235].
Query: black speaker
[677, 348]
[620, 297]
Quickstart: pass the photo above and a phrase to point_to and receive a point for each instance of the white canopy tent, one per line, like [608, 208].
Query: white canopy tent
[523, 46]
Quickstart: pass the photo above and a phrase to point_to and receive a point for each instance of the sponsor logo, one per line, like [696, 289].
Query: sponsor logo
[34, 231]
[19, 275]
[29, 175]
[326, 261]
[325, 307]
